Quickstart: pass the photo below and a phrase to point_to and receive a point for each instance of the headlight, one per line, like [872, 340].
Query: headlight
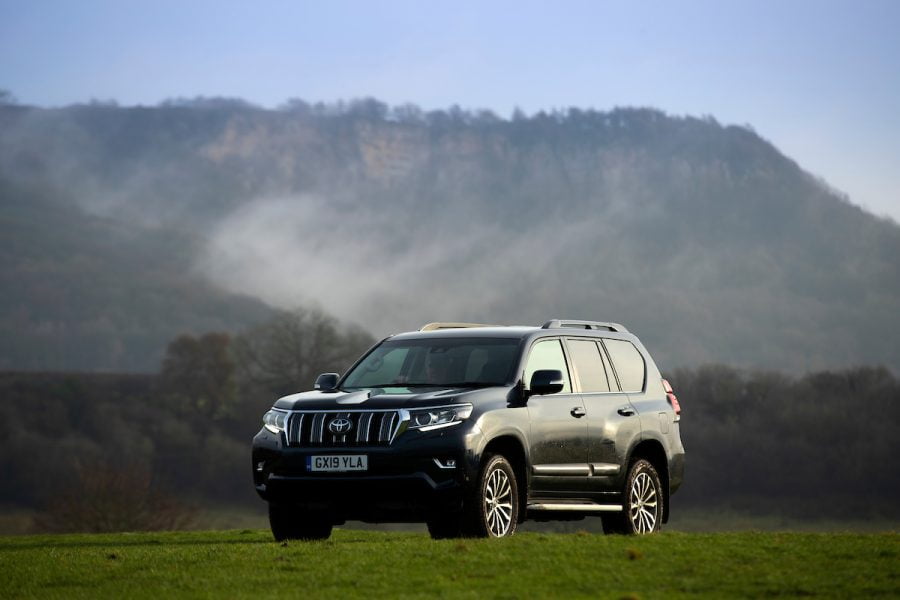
[427, 419]
[274, 421]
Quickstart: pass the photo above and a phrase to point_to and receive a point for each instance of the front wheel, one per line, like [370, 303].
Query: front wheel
[496, 505]
[643, 507]
[292, 523]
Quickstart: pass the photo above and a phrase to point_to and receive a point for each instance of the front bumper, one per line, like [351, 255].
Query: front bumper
[403, 482]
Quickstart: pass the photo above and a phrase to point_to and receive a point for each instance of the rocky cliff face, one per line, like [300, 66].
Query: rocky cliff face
[703, 239]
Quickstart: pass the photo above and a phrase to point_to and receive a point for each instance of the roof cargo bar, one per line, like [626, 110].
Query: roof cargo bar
[602, 326]
[436, 326]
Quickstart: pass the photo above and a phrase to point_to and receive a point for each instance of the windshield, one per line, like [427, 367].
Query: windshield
[435, 362]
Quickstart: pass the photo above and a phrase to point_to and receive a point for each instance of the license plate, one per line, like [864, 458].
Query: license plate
[338, 463]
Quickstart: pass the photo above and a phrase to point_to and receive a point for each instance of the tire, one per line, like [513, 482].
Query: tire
[493, 510]
[445, 527]
[643, 500]
[291, 523]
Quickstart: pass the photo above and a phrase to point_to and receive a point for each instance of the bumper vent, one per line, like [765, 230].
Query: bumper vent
[367, 428]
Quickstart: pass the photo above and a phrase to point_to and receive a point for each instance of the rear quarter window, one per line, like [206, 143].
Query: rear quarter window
[628, 363]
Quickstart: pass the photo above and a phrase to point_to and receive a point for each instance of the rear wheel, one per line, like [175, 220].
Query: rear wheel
[292, 523]
[643, 502]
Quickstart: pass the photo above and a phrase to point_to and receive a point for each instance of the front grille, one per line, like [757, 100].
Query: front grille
[368, 428]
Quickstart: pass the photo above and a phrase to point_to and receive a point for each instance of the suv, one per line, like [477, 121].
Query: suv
[474, 428]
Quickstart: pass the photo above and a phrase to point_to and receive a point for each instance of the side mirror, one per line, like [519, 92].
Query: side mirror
[326, 382]
[546, 381]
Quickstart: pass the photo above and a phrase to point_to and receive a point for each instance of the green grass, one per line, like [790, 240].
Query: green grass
[368, 564]
[19, 521]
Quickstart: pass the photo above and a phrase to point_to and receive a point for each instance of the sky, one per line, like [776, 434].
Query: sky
[819, 79]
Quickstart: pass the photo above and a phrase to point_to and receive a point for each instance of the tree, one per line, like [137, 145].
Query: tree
[199, 373]
[286, 353]
[368, 109]
[105, 499]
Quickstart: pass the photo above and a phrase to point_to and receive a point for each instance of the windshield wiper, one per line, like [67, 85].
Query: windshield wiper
[472, 384]
[395, 384]
[421, 384]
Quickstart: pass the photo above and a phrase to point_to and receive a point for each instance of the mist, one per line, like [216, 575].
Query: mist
[387, 273]
[702, 238]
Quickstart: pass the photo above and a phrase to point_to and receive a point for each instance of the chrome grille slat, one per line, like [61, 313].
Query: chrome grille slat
[294, 428]
[386, 429]
[362, 428]
[318, 429]
[381, 428]
[370, 428]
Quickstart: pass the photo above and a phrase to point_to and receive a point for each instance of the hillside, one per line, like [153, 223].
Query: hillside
[90, 293]
[704, 239]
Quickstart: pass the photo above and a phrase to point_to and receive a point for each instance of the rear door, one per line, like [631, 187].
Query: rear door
[631, 370]
[612, 421]
[558, 445]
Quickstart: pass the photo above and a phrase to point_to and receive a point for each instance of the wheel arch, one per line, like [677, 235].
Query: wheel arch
[512, 448]
[652, 451]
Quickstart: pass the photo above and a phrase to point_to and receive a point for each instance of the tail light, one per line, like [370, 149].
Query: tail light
[670, 396]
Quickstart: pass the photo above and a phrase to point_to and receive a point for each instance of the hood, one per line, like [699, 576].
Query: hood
[375, 398]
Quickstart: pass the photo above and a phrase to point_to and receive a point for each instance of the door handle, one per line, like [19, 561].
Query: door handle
[577, 412]
[626, 411]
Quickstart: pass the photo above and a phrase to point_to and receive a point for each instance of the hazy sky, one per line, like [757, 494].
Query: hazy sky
[820, 79]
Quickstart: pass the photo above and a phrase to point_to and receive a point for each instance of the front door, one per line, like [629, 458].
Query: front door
[559, 442]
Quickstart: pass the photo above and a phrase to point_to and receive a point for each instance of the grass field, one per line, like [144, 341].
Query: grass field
[368, 564]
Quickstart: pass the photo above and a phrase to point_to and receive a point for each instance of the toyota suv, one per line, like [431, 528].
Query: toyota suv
[473, 429]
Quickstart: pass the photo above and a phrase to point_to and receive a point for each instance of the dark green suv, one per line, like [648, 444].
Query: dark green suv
[472, 429]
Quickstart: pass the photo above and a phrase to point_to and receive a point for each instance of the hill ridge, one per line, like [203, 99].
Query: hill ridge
[704, 238]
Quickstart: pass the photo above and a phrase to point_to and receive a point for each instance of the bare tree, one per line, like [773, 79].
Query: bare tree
[105, 498]
[199, 374]
[286, 353]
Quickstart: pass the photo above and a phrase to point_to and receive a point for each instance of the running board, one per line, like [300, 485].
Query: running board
[568, 506]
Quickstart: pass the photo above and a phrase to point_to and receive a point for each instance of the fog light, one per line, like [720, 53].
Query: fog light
[447, 463]
[260, 466]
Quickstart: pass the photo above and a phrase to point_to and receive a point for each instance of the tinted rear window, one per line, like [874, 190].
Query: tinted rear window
[588, 363]
[629, 364]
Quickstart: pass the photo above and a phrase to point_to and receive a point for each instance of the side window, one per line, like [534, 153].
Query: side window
[588, 363]
[629, 364]
[548, 354]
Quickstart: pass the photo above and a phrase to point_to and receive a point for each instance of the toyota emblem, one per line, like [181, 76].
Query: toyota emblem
[340, 426]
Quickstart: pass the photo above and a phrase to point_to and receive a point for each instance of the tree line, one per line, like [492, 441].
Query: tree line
[116, 451]
[74, 442]
[823, 444]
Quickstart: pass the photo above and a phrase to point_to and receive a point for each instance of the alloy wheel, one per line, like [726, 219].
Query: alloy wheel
[643, 503]
[498, 509]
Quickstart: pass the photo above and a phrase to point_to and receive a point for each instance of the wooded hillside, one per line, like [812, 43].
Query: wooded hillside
[702, 238]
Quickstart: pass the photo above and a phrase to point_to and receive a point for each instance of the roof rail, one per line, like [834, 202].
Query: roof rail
[603, 326]
[435, 326]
